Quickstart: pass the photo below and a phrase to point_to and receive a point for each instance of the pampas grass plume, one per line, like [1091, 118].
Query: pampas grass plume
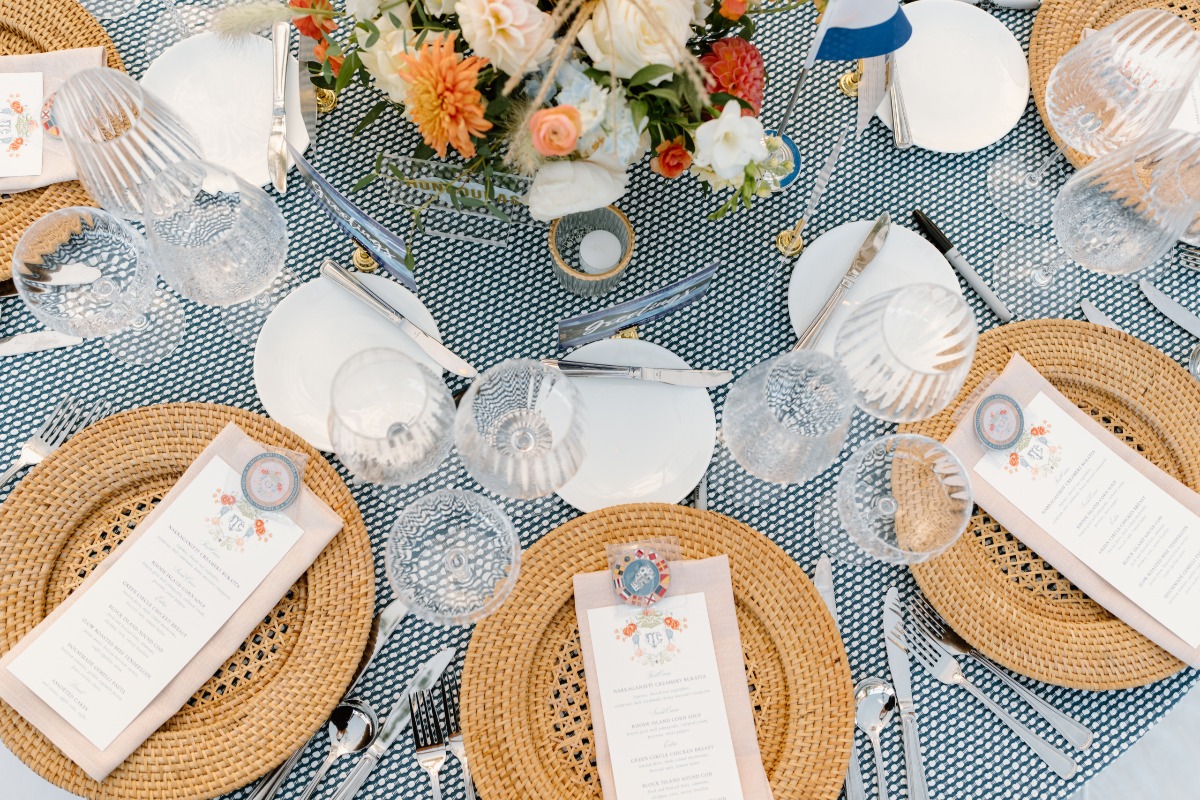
[242, 19]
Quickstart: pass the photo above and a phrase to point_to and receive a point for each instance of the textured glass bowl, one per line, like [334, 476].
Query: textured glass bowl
[453, 557]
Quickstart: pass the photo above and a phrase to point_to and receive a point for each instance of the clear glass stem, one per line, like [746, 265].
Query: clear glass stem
[1035, 176]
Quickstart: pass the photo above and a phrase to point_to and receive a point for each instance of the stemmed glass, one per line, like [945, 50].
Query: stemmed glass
[84, 272]
[786, 419]
[519, 429]
[390, 418]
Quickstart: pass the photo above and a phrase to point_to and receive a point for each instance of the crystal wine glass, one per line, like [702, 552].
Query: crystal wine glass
[453, 557]
[84, 272]
[519, 429]
[903, 498]
[785, 420]
[390, 418]
[908, 352]
[120, 136]
[1114, 87]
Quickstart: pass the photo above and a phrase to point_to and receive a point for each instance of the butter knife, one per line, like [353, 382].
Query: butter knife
[823, 580]
[893, 621]
[396, 723]
[866, 253]
[1173, 311]
[36, 342]
[1097, 317]
[436, 350]
[675, 377]
[277, 141]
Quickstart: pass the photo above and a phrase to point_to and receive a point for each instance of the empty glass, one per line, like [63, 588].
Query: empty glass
[904, 499]
[519, 429]
[453, 557]
[119, 136]
[390, 418]
[785, 420]
[217, 239]
[908, 352]
[85, 272]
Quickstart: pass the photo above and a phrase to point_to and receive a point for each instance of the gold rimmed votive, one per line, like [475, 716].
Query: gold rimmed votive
[566, 237]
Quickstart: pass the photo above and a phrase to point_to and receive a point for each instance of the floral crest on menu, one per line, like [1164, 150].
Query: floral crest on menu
[1036, 453]
[235, 522]
[653, 635]
[16, 125]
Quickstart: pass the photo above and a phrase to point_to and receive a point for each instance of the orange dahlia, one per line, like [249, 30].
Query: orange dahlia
[736, 67]
[442, 98]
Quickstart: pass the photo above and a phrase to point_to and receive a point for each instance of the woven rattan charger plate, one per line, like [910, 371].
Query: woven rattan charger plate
[1057, 29]
[40, 26]
[999, 594]
[525, 702]
[274, 693]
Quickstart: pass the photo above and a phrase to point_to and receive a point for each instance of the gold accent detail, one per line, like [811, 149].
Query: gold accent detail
[789, 243]
[848, 83]
[326, 100]
[363, 262]
[626, 333]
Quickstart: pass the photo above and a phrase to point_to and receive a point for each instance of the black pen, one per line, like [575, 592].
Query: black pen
[962, 266]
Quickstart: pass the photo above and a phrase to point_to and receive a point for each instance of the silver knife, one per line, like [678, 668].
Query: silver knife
[277, 140]
[866, 253]
[436, 350]
[893, 620]
[308, 92]
[396, 723]
[675, 377]
[901, 133]
[1096, 316]
[36, 342]
[1173, 311]
[823, 580]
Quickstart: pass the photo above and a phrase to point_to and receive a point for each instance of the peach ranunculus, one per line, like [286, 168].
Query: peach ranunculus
[733, 9]
[672, 159]
[321, 54]
[555, 130]
[314, 26]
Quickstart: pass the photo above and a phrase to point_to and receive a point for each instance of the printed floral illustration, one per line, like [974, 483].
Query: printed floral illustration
[653, 635]
[236, 522]
[16, 125]
[1035, 453]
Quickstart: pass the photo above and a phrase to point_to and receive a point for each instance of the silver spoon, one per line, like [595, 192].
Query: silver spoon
[1194, 362]
[875, 702]
[352, 727]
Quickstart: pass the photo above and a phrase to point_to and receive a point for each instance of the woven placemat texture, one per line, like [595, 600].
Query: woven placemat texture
[40, 26]
[525, 699]
[79, 504]
[1034, 621]
[1057, 29]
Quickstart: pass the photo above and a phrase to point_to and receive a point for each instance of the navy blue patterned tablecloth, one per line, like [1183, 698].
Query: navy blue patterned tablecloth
[496, 302]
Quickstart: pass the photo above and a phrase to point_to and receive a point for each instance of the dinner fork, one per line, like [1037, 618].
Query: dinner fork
[429, 738]
[63, 421]
[449, 690]
[945, 668]
[932, 625]
[1190, 255]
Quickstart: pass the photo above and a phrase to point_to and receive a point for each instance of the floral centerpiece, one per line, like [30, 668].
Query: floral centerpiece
[568, 92]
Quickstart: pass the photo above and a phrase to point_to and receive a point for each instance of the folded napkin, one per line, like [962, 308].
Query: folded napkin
[55, 66]
[319, 524]
[710, 576]
[1022, 383]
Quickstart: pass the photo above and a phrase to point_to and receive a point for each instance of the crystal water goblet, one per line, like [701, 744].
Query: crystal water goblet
[519, 429]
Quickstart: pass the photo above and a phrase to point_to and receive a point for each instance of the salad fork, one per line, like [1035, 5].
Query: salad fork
[932, 625]
[450, 690]
[945, 668]
[430, 738]
[63, 421]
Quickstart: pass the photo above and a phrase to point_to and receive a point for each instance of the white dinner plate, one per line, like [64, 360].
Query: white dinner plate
[906, 258]
[963, 75]
[312, 332]
[222, 89]
[646, 442]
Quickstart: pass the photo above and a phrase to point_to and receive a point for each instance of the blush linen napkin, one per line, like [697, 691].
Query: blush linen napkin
[710, 576]
[319, 524]
[55, 66]
[1022, 382]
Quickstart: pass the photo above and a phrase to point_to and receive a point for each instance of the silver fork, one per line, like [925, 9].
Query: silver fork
[429, 738]
[64, 420]
[1190, 255]
[931, 624]
[945, 668]
[450, 690]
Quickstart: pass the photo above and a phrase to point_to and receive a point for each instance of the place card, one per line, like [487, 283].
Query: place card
[667, 689]
[1117, 526]
[21, 134]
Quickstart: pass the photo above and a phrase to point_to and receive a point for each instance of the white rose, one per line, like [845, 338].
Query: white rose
[440, 8]
[700, 11]
[568, 187]
[362, 9]
[730, 143]
[625, 35]
[382, 59]
[512, 34]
